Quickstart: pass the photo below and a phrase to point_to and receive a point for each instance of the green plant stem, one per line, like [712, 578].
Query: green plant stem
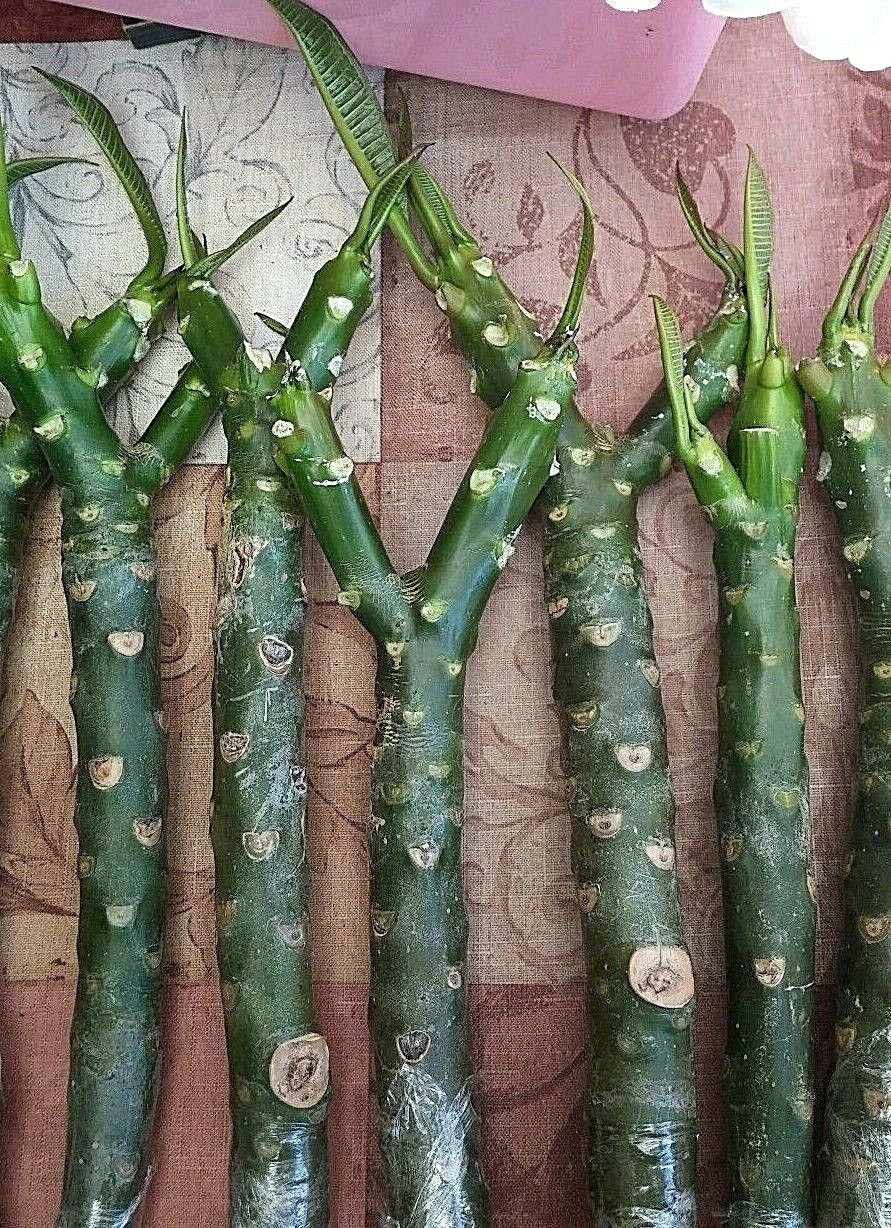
[642, 1161]
[761, 793]
[424, 625]
[109, 577]
[606, 683]
[278, 1061]
[106, 350]
[852, 392]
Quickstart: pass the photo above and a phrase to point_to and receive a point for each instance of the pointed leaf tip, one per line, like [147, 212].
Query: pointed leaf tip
[98, 121]
[207, 266]
[878, 269]
[188, 246]
[568, 322]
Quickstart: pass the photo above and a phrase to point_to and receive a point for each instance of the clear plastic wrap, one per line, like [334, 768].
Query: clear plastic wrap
[99, 1217]
[664, 1145]
[289, 1192]
[858, 1191]
[414, 1111]
[753, 1216]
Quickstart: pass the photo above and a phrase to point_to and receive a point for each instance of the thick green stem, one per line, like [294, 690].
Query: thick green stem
[108, 571]
[764, 827]
[606, 683]
[105, 351]
[426, 1120]
[424, 625]
[109, 576]
[854, 416]
[761, 794]
[278, 1062]
[642, 1102]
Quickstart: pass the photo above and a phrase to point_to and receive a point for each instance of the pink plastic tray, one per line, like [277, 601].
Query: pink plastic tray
[580, 52]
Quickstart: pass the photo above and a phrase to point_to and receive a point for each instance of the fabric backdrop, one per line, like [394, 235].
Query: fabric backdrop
[823, 133]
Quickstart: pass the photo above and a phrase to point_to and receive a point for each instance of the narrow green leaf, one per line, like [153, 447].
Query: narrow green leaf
[878, 270]
[345, 89]
[837, 313]
[208, 265]
[382, 199]
[274, 326]
[758, 226]
[435, 209]
[97, 119]
[187, 244]
[355, 112]
[24, 168]
[698, 228]
[671, 345]
[9, 244]
[568, 322]
[731, 254]
[758, 249]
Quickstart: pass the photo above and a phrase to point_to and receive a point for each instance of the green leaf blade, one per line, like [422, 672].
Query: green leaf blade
[569, 320]
[24, 168]
[877, 271]
[671, 345]
[98, 121]
[758, 249]
[208, 265]
[345, 90]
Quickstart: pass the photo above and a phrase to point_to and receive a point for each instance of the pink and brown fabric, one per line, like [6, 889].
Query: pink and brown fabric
[823, 132]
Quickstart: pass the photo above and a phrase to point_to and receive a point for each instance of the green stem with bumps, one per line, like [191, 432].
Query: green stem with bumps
[108, 574]
[761, 793]
[278, 1061]
[108, 571]
[607, 689]
[106, 349]
[424, 625]
[852, 392]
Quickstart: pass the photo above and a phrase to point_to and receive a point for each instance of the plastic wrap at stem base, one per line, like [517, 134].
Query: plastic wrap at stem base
[99, 1217]
[422, 1130]
[750, 1215]
[666, 1146]
[288, 1193]
[857, 1189]
[681, 1215]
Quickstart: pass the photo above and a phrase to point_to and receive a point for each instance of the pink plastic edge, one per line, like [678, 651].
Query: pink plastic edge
[660, 85]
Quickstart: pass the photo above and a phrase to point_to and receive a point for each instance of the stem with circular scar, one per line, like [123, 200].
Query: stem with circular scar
[109, 577]
[278, 1061]
[851, 388]
[750, 495]
[424, 625]
[606, 679]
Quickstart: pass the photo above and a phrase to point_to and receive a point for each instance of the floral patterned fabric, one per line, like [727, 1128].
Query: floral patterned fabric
[259, 136]
[823, 133]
